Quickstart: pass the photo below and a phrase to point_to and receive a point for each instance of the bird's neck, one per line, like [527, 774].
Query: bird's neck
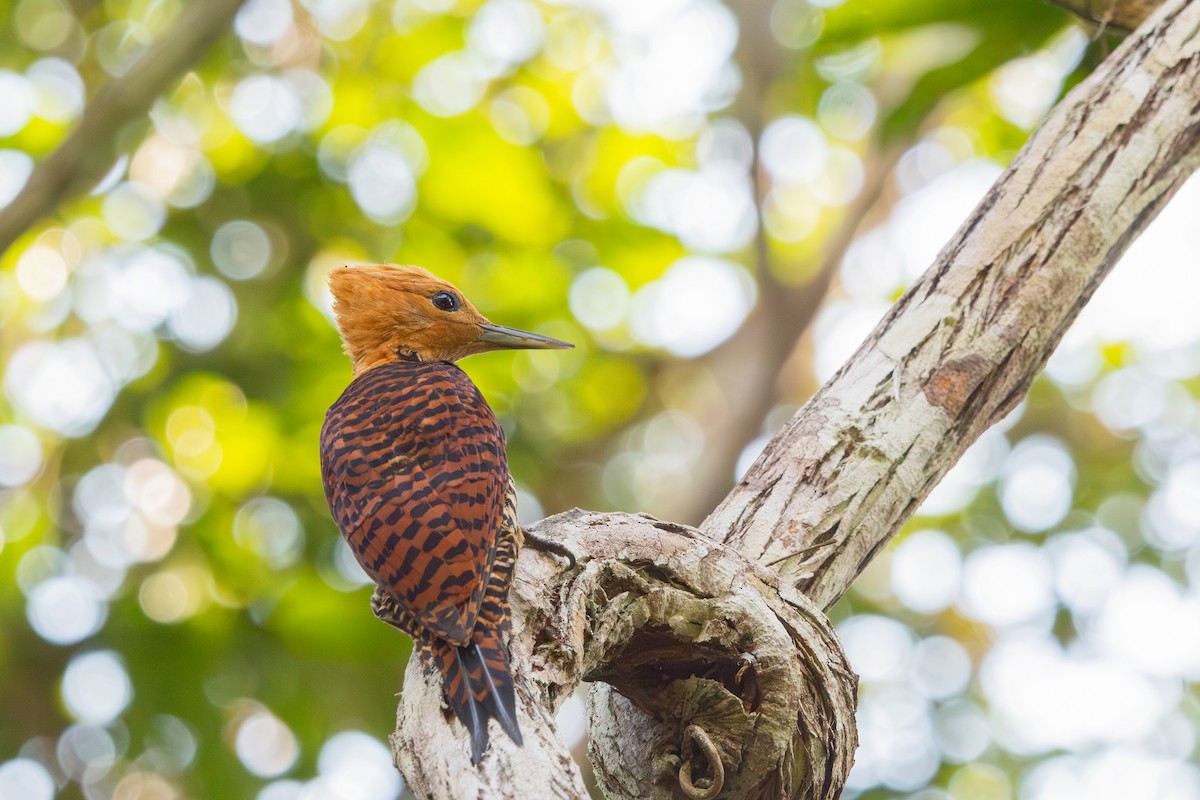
[378, 358]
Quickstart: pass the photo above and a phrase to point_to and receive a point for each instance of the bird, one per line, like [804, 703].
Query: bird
[416, 477]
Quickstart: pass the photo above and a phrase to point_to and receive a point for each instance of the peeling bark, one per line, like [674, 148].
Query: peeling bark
[710, 646]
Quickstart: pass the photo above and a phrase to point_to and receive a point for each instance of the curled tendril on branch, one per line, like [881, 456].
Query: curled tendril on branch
[705, 788]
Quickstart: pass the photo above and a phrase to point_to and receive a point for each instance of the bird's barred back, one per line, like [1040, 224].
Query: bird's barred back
[417, 479]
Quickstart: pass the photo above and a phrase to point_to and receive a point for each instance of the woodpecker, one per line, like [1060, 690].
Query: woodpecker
[417, 480]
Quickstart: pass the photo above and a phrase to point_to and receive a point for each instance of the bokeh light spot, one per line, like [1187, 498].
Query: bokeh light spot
[15, 169]
[346, 574]
[157, 492]
[896, 742]
[62, 387]
[1149, 622]
[208, 316]
[353, 764]
[338, 19]
[847, 110]
[1044, 699]
[65, 610]
[794, 150]
[42, 272]
[698, 303]
[20, 455]
[980, 782]
[240, 249]
[25, 779]
[263, 22]
[96, 688]
[43, 24]
[86, 753]
[58, 91]
[926, 571]
[599, 298]
[962, 730]
[1008, 585]
[520, 115]
[269, 528]
[133, 212]
[172, 596]
[450, 85]
[506, 32]
[941, 667]
[284, 790]
[710, 210]
[879, 649]
[1038, 484]
[383, 183]
[266, 746]
[141, 785]
[265, 108]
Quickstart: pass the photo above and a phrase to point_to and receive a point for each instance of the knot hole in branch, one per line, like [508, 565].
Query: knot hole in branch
[704, 684]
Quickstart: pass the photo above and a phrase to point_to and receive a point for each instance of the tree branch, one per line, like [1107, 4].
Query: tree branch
[709, 645]
[962, 346]
[699, 643]
[89, 151]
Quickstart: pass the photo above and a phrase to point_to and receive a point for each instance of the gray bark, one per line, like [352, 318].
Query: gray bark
[710, 645]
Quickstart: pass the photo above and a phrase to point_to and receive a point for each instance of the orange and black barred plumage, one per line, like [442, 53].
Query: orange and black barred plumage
[416, 477]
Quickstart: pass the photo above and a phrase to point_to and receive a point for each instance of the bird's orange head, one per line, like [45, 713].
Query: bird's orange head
[386, 313]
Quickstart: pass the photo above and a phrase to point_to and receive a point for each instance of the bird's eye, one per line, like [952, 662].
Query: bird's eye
[446, 301]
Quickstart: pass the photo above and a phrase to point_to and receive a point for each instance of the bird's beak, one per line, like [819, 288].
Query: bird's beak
[512, 339]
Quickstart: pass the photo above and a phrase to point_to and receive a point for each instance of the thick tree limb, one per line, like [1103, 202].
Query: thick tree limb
[1124, 15]
[961, 347]
[89, 151]
[701, 643]
[684, 628]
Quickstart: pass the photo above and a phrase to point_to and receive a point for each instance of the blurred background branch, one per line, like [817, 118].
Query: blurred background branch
[1123, 15]
[754, 358]
[91, 150]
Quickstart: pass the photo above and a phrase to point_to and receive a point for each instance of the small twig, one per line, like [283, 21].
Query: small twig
[89, 151]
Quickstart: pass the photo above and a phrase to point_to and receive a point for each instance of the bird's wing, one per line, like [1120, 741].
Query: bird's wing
[415, 477]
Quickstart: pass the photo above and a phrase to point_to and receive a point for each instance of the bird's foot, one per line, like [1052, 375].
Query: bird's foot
[388, 610]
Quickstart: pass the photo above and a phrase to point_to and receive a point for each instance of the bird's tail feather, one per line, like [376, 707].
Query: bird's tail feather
[479, 686]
